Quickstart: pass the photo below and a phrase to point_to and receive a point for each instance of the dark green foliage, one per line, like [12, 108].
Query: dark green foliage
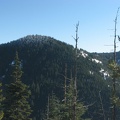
[115, 75]
[67, 111]
[17, 94]
[63, 110]
[54, 108]
[16, 72]
[1, 102]
[1, 96]
[43, 59]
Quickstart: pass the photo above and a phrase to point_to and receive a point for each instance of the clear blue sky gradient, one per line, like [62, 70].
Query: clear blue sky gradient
[57, 18]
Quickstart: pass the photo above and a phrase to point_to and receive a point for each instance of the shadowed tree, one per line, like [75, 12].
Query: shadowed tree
[1, 102]
[17, 93]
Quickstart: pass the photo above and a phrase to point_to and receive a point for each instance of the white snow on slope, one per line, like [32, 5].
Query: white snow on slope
[97, 61]
[105, 73]
[91, 72]
[83, 54]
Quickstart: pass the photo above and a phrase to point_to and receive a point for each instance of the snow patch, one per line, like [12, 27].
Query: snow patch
[97, 61]
[105, 73]
[91, 72]
[13, 62]
[83, 54]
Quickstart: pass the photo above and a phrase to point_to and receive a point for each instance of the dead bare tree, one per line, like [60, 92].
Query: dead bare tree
[65, 86]
[75, 72]
[102, 105]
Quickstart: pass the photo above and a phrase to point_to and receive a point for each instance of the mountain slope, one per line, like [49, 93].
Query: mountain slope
[43, 63]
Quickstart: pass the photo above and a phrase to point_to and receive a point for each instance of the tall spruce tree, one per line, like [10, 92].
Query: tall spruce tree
[17, 93]
[53, 108]
[115, 75]
[67, 109]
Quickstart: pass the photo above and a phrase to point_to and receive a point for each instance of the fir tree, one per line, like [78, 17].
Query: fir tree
[17, 106]
[115, 75]
[67, 109]
[60, 110]
[53, 108]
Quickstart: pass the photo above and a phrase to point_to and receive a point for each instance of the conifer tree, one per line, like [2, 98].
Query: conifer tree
[1, 102]
[53, 108]
[115, 72]
[67, 109]
[115, 75]
[17, 106]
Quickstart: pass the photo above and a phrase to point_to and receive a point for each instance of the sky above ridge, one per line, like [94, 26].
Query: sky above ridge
[58, 18]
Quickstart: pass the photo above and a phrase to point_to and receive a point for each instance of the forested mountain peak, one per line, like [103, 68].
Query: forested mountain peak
[43, 62]
[36, 39]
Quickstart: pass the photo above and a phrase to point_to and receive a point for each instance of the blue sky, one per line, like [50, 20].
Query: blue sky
[57, 18]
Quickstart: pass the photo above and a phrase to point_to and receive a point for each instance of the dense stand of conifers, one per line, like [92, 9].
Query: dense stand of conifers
[42, 67]
[14, 104]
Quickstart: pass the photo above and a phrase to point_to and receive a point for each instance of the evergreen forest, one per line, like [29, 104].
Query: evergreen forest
[37, 81]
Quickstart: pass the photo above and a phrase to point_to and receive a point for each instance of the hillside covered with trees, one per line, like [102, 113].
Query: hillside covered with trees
[43, 62]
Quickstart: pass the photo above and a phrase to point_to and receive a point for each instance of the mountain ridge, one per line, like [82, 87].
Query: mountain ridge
[43, 61]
